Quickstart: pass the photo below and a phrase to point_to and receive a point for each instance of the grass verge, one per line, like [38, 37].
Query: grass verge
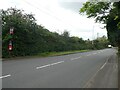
[46, 54]
[60, 53]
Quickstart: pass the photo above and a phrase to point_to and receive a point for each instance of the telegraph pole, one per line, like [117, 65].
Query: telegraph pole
[97, 35]
[93, 35]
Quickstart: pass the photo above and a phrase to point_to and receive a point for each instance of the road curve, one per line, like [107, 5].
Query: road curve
[67, 71]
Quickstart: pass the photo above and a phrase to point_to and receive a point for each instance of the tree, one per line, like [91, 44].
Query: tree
[23, 37]
[30, 38]
[101, 42]
[107, 13]
[66, 34]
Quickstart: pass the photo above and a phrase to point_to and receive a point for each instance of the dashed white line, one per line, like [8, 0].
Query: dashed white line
[43, 66]
[5, 76]
[75, 58]
[49, 65]
[72, 59]
[88, 54]
[94, 53]
[57, 63]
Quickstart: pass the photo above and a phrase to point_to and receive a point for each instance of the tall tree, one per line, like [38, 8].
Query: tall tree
[107, 13]
[29, 38]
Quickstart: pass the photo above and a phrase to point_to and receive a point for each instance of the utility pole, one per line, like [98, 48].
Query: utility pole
[0, 37]
[97, 35]
[93, 35]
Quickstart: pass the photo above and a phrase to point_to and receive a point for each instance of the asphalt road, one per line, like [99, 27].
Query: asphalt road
[89, 69]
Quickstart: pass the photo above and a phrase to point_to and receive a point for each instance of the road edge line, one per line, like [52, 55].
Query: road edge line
[88, 82]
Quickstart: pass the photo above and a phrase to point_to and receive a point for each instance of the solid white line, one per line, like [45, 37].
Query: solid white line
[103, 65]
[49, 65]
[87, 84]
[5, 76]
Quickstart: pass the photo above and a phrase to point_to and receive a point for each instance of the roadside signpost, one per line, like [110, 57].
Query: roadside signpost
[11, 31]
[10, 46]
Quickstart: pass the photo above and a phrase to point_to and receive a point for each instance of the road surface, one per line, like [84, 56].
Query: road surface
[81, 70]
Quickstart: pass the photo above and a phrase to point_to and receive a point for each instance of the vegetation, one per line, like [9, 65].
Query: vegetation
[60, 53]
[29, 38]
[107, 13]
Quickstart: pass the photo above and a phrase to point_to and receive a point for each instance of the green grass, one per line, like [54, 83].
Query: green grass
[60, 53]
[47, 54]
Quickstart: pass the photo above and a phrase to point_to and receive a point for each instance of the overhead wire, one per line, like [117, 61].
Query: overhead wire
[47, 13]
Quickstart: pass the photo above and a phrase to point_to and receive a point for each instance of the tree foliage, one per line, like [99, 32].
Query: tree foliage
[100, 42]
[107, 13]
[29, 38]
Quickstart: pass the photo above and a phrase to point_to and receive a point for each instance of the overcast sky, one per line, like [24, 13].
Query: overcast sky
[59, 15]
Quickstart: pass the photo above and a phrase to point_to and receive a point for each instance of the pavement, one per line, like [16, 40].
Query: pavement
[94, 69]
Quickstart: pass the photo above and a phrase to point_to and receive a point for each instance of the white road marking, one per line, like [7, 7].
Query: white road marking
[72, 59]
[42, 66]
[103, 65]
[88, 54]
[49, 65]
[75, 58]
[5, 76]
[89, 81]
[57, 63]
[94, 53]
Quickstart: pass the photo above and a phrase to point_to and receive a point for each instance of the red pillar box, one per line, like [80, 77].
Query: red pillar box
[10, 46]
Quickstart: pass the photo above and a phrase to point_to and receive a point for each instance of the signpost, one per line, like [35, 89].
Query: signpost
[11, 30]
[10, 46]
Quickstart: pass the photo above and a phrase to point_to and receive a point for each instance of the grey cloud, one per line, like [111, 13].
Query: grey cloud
[74, 6]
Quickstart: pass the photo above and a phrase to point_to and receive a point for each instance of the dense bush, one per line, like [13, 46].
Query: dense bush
[31, 39]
